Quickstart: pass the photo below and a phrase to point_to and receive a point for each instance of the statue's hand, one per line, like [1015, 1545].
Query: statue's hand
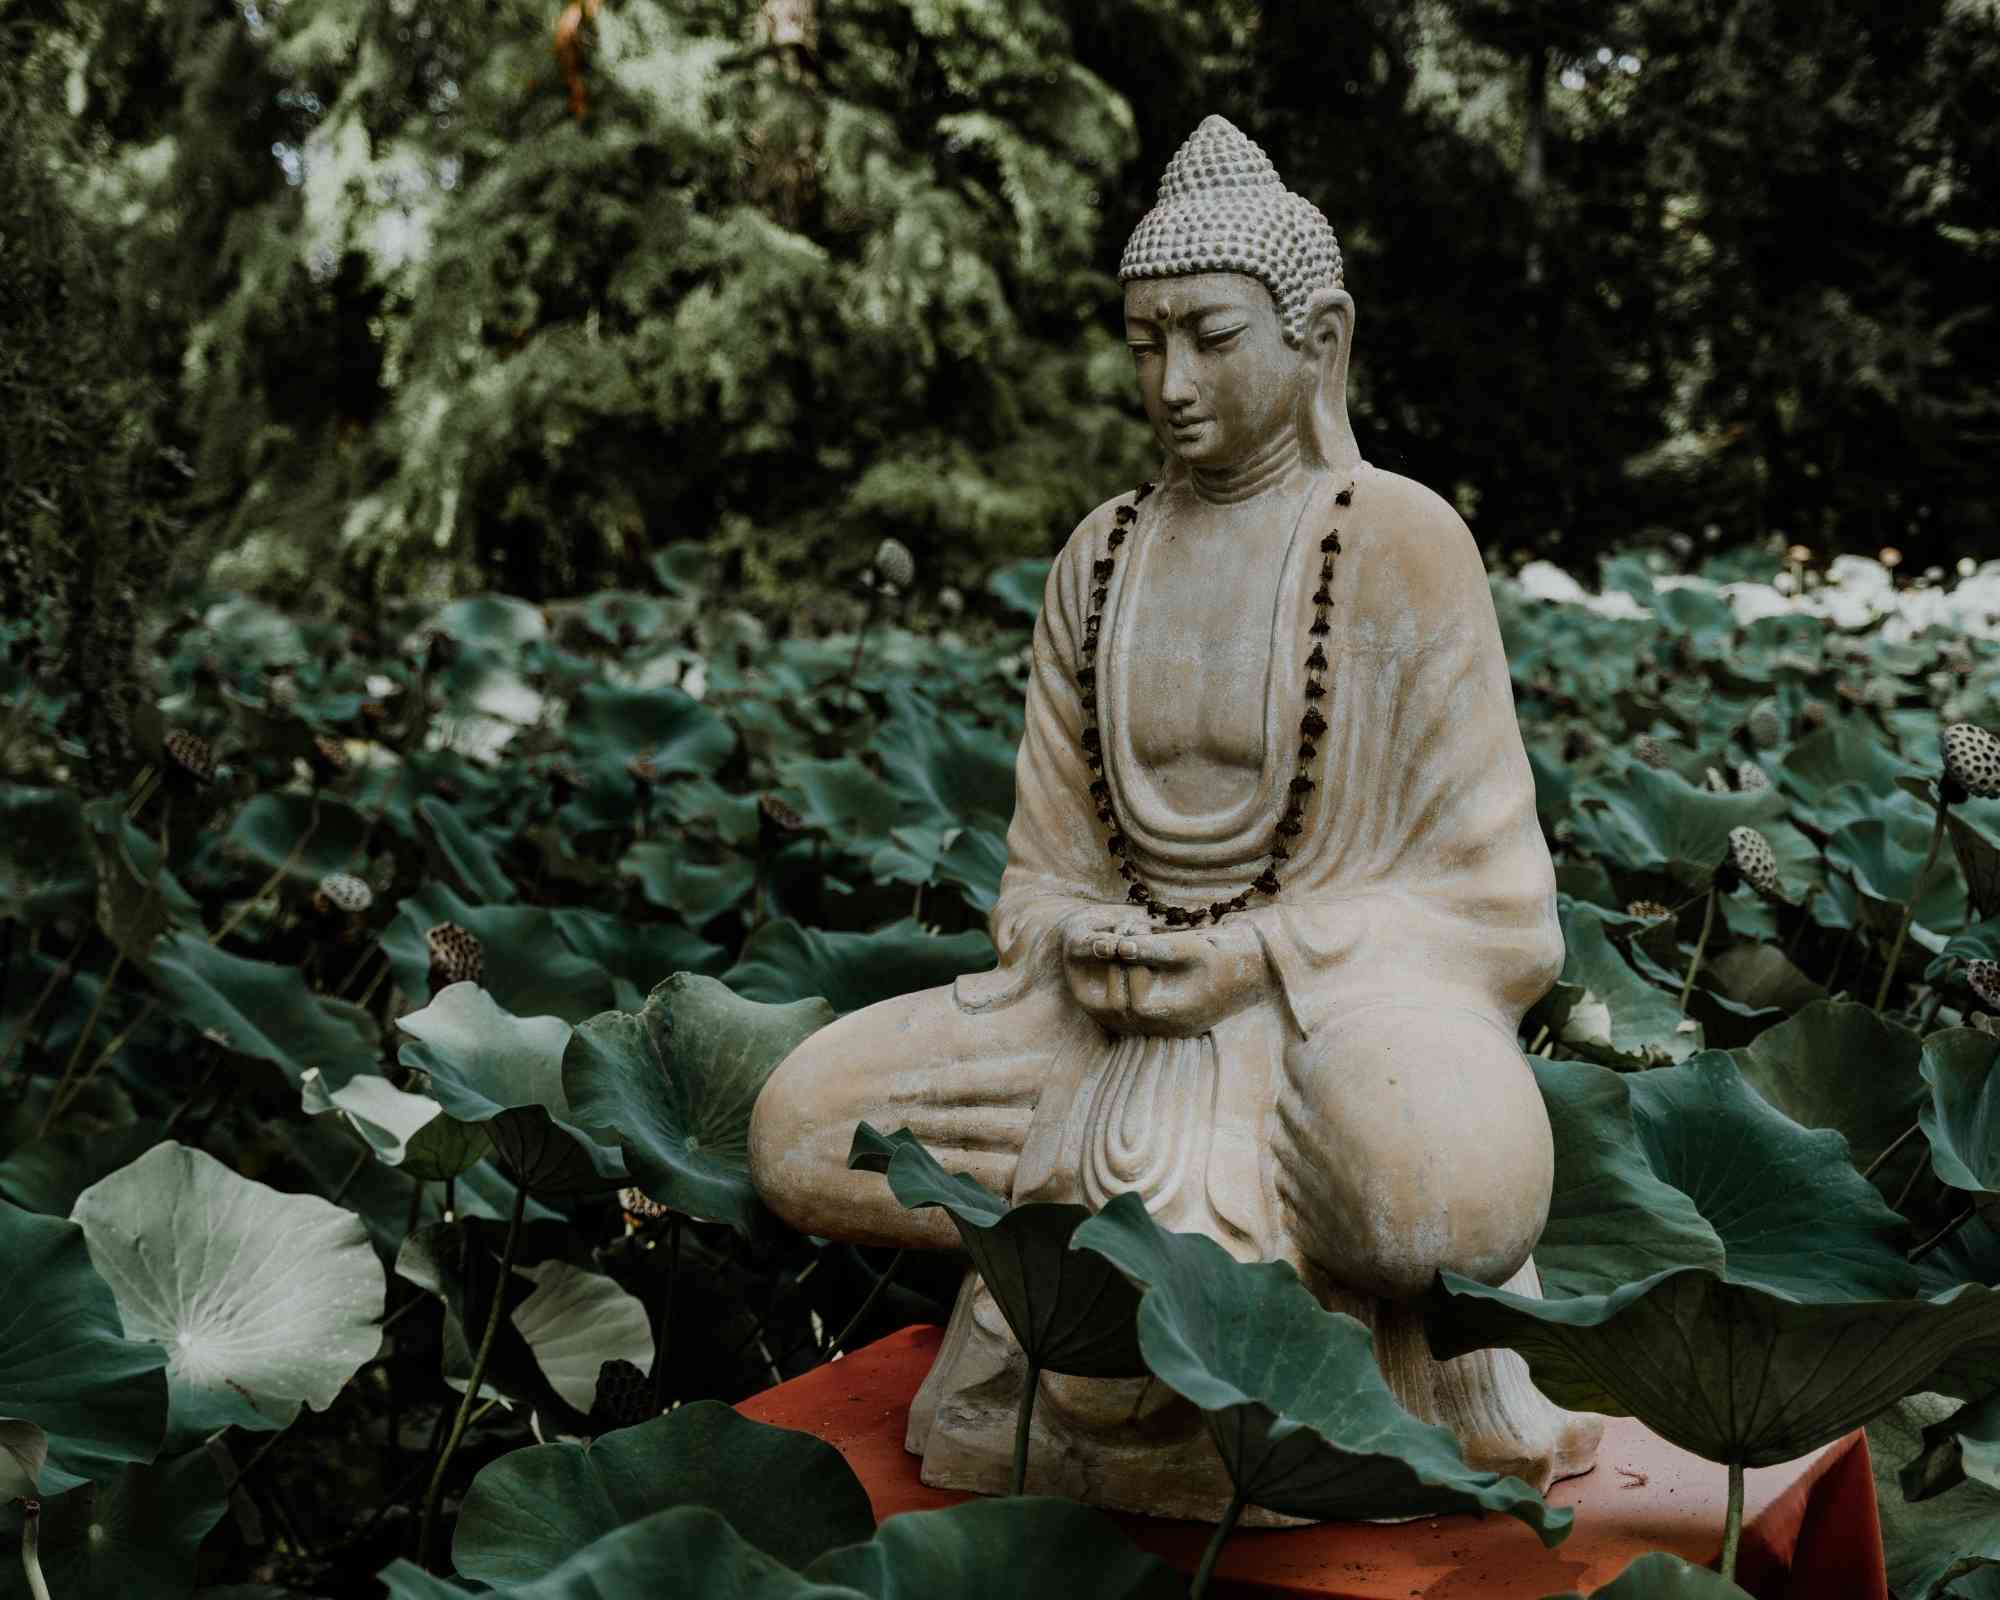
[1184, 983]
[1098, 946]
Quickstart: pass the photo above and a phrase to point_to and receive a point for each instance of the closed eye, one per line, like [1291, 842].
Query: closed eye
[1219, 337]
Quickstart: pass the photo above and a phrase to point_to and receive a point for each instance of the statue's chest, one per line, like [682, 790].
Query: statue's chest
[1199, 655]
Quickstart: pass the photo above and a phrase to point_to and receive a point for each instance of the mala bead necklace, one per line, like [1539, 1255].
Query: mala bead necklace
[1311, 727]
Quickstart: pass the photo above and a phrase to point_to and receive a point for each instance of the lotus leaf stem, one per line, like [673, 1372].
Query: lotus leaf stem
[663, 1336]
[874, 1297]
[340, 1193]
[1948, 1229]
[465, 1407]
[1700, 945]
[1910, 909]
[1222, 1531]
[65, 968]
[860, 638]
[270, 884]
[1022, 1425]
[1893, 1146]
[1732, 1522]
[31, 1549]
[62, 1096]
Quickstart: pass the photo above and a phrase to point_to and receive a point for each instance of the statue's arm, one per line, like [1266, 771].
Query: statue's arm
[1427, 873]
[1057, 867]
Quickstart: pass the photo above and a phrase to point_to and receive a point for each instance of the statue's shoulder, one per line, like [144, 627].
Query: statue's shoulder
[1069, 576]
[1415, 539]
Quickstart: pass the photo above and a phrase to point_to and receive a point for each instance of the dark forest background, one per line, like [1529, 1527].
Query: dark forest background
[358, 298]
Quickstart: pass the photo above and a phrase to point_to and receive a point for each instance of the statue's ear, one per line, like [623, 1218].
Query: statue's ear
[1329, 323]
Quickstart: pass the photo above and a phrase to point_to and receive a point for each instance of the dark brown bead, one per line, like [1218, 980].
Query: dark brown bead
[1087, 677]
[1092, 740]
[1267, 882]
[1097, 595]
[1303, 785]
[1308, 751]
[1316, 662]
[1116, 844]
[1117, 538]
[1101, 570]
[1315, 690]
[1127, 870]
[1331, 544]
[1280, 853]
[1137, 895]
[1099, 789]
[1291, 828]
[1144, 490]
[1240, 903]
[1344, 498]
[1312, 724]
[1218, 909]
[1322, 596]
[1124, 515]
[1090, 700]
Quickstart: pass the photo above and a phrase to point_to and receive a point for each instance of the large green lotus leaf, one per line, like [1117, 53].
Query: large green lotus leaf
[1762, 975]
[470, 859]
[674, 1084]
[326, 834]
[263, 1300]
[1020, 1548]
[1976, 844]
[973, 861]
[843, 799]
[1842, 752]
[134, 1535]
[1660, 1576]
[1961, 1118]
[1621, 1020]
[138, 896]
[574, 1322]
[493, 621]
[48, 867]
[1962, 1446]
[459, 1262]
[262, 1009]
[636, 954]
[1071, 1311]
[65, 1363]
[1792, 1213]
[1726, 1370]
[1020, 584]
[1612, 1219]
[789, 1494]
[1294, 1400]
[699, 891]
[24, 1451]
[405, 1130]
[504, 1073]
[1934, 1547]
[1654, 821]
[527, 965]
[784, 960]
[1838, 1065]
[957, 771]
[1883, 856]
[47, 1174]
[609, 726]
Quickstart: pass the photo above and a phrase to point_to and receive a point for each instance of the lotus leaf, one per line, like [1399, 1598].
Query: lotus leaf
[1295, 1402]
[134, 1534]
[1642, 1022]
[843, 799]
[405, 1130]
[307, 835]
[1962, 1116]
[788, 1494]
[574, 1322]
[504, 1073]
[1842, 752]
[699, 891]
[1072, 1312]
[470, 859]
[784, 960]
[1962, 1446]
[24, 1451]
[1654, 821]
[491, 621]
[529, 967]
[1882, 857]
[636, 954]
[66, 1366]
[1019, 585]
[610, 726]
[674, 1085]
[263, 1300]
[1942, 1546]
[138, 896]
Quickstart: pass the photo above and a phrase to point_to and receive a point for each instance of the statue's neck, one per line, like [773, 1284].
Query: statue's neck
[1230, 485]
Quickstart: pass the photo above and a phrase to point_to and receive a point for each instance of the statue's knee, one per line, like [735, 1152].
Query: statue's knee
[1412, 1139]
[790, 1127]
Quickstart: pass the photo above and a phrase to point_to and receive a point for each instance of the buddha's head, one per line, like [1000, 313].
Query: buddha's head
[1234, 310]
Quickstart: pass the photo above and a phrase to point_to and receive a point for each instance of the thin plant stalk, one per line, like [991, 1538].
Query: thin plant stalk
[65, 968]
[465, 1408]
[340, 1193]
[1208, 1557]
[1947, 1230]
[61, 1097]
[1700, 946]
[664, 1335]
[1910, 909]
[1732, 1522]
[860, 638]
[868, 1305]
[271, 883]
[31, 1549]
[1895, 1144]
[1022, 1424]
[107, 1055]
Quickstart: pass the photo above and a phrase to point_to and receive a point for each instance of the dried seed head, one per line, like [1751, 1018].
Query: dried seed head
[190, 755]
[1765, 725]
[1751, 854]
[456, 955]
[894, 563]
[1652, 752]
[1972, 759]
[639, 1207]
[950, 601]
[643, 769]
[624, 1397]
[342, 891]
[328, 759]
[1651, 910]
[774, 816]
[1750, 777]
[282, 691]
[1983, 977]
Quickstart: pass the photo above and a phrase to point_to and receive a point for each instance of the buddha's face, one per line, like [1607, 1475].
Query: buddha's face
[1218, 380]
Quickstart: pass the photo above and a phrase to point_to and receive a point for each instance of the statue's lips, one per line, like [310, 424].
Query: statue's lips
[1188, 425]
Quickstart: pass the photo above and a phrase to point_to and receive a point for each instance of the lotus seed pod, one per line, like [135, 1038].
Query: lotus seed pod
[1983, 978]
[1972, 759]
[283, 691]
[894, 563]
[1751, 854]
[1750, 777]
[1652, 752]
[1651, 910]
[1814, 714]
[1717, 783]
[1223, 208]
[1765, 725]
[342, 891]
[775, 816]
[190, 755]
[328, 759]
[950, 601]
[640, 1208]
[624, 1398]
[456, 955]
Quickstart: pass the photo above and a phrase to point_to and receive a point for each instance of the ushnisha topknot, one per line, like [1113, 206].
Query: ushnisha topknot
[1223, 208]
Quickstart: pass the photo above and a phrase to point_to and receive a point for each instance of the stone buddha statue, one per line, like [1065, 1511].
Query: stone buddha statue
[1275, 896]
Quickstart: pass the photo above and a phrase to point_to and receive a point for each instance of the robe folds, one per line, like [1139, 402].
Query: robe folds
[1421, 878]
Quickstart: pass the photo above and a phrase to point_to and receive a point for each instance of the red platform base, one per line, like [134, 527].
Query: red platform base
[1809, 1532]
